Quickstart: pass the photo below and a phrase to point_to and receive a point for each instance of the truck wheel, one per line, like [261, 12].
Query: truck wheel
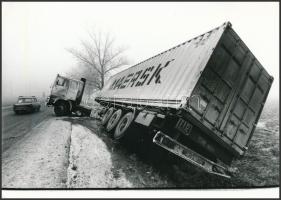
[61, 108]
[114, 119]
[107, 115]
[122, 126]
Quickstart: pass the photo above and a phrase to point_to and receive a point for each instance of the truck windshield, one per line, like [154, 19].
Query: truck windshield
[60, 81]
[25, 100]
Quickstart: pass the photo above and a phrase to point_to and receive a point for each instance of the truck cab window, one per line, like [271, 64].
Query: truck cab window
[60, 81]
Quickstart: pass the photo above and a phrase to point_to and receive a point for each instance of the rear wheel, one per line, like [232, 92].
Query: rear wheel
[121, 130]
[61, 108]
[115, 117]
[107, 115]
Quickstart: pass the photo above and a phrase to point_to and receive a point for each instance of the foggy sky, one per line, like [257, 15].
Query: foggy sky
[35, 35]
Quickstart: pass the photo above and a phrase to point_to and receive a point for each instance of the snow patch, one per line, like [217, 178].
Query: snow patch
[40, 159]
[90, 162]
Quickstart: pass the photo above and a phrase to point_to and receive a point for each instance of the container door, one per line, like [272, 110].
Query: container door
[247, 105]
[217, 85]
[220, 83]
[230, 93]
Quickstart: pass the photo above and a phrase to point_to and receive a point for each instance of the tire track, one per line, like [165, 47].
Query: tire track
[15, 127]
[40, 159]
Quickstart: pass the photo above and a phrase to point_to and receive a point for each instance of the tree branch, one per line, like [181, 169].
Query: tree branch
[99, 56]
[83, 58]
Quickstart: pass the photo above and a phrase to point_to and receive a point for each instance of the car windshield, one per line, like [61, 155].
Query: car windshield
[25, 100]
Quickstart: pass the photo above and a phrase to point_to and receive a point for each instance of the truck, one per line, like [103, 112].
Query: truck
[201, 100]
[70, 95]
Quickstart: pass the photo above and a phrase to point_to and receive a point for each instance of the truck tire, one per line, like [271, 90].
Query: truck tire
[61, 108]
[107, 115]
[122, 127]
[114, 119]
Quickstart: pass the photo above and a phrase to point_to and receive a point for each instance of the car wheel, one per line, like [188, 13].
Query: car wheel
[121, 130]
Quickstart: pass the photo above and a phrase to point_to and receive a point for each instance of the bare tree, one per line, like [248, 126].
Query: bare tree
[83, 70]
[100, 56]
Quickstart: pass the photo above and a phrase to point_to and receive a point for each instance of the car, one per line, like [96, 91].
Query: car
[26, 104]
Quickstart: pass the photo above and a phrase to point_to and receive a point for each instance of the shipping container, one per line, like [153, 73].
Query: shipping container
[210, 89]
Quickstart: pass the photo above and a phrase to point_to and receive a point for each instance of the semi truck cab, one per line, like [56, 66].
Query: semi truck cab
[66, 95]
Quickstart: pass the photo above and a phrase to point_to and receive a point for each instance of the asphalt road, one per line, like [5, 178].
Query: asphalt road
[14, 127]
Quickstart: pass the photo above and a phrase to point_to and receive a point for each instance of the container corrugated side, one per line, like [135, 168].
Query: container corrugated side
[167, 79]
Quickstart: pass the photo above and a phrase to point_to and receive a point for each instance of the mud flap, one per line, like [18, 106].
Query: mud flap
[189, 155]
